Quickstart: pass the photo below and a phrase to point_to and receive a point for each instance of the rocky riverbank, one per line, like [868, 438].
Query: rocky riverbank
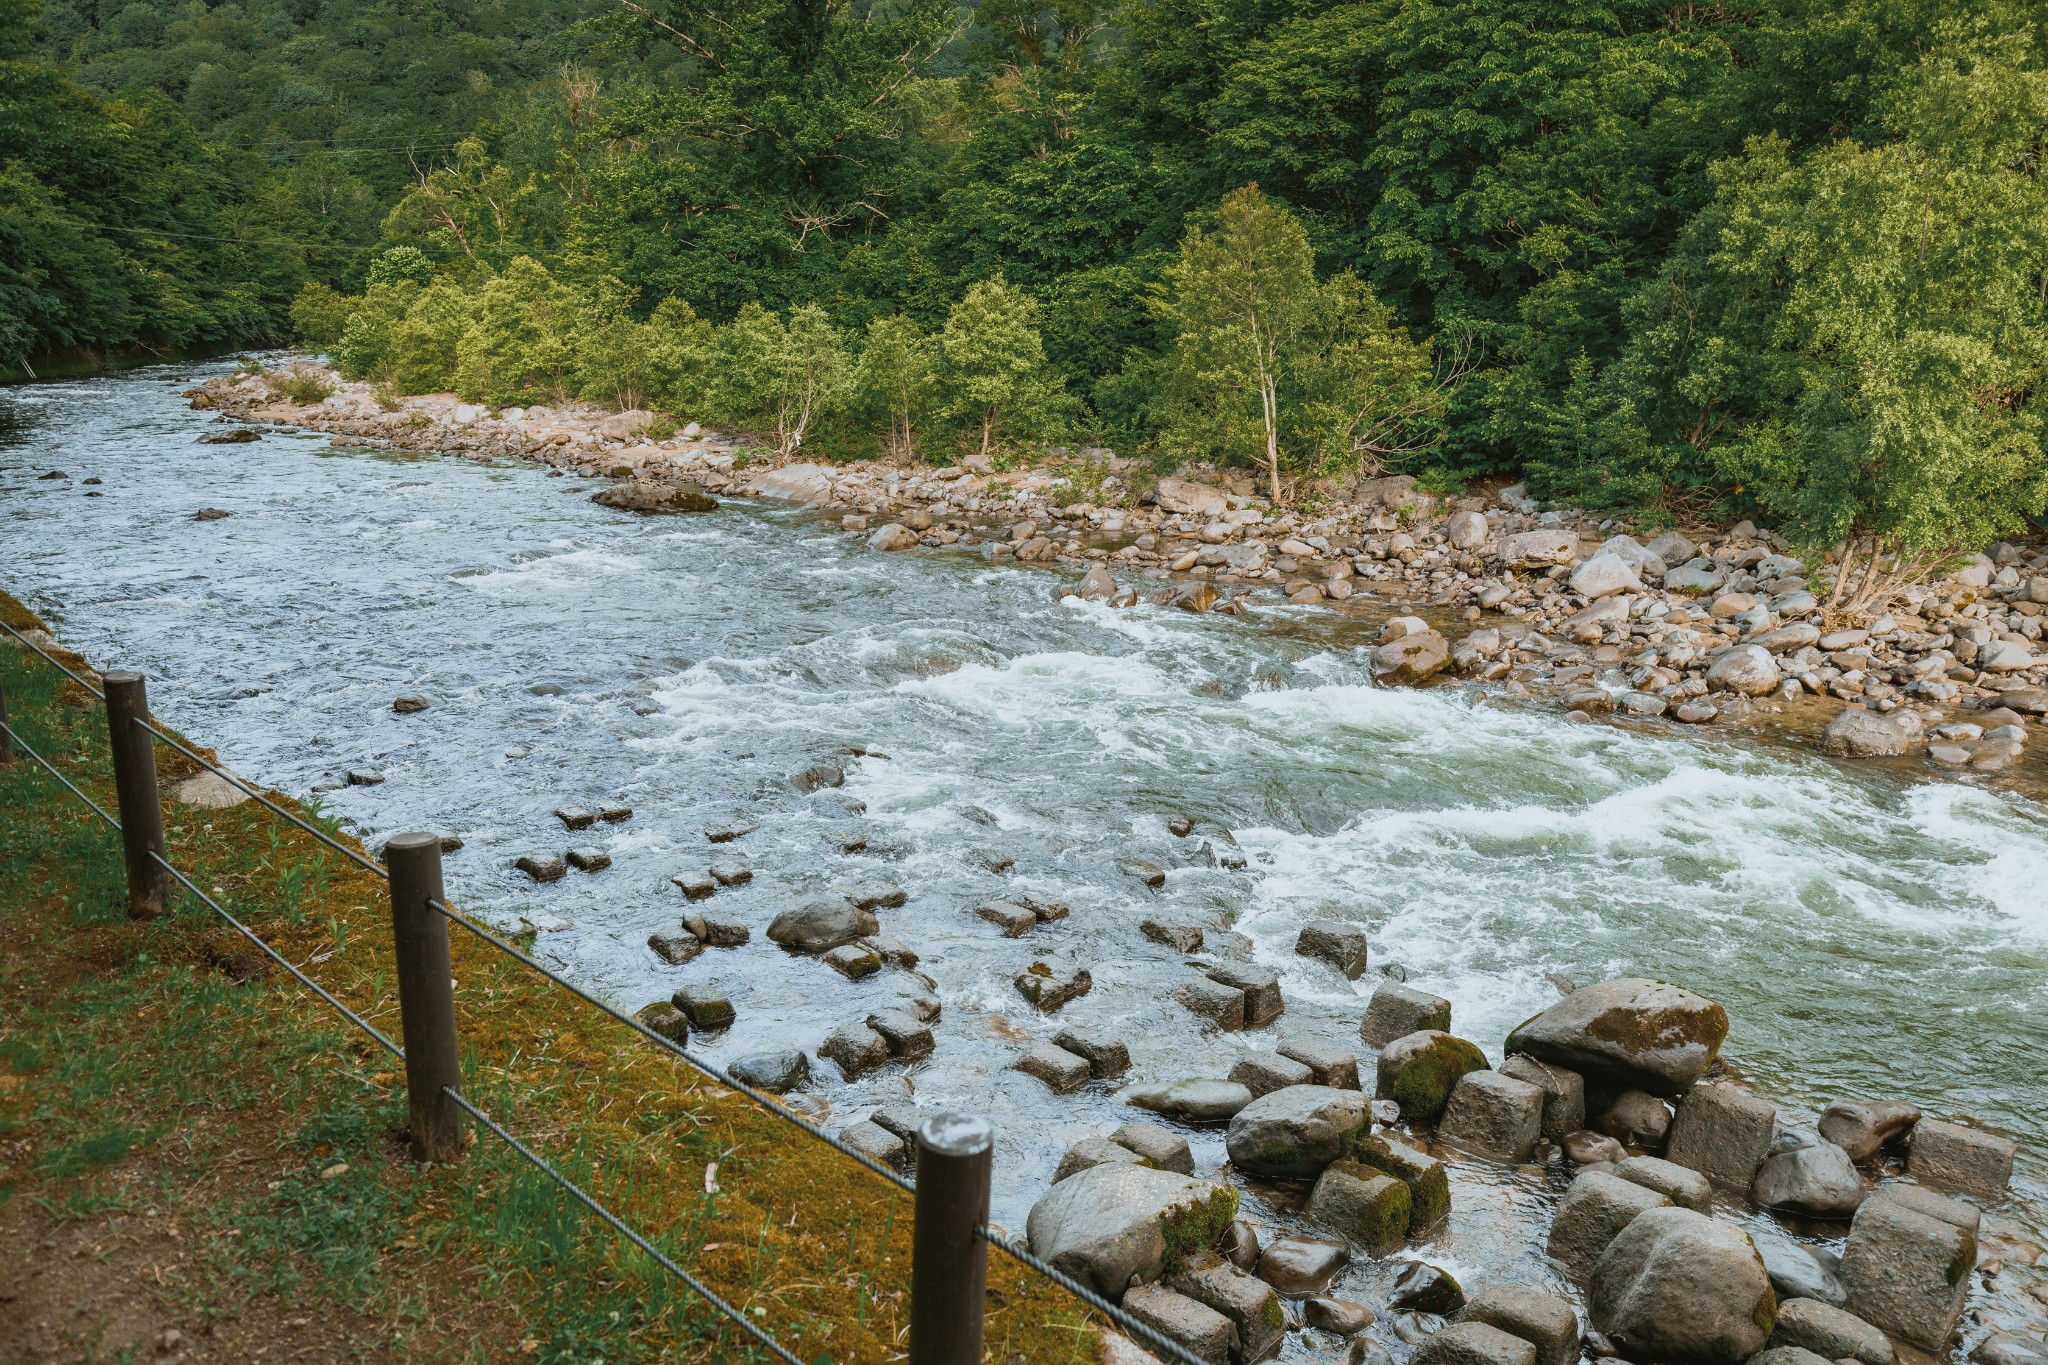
[1551, 604]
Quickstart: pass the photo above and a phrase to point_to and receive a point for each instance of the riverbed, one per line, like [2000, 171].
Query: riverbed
[1872, 935]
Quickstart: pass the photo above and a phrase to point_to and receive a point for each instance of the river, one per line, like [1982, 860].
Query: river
[1873, 935]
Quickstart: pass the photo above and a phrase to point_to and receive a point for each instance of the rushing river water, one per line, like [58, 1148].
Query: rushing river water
[1871, 936]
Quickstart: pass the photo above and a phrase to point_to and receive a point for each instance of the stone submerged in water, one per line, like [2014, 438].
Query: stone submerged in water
[1341, 945]
[1859, 733]
[1363, 1204]
[1543, 1320]
[1831, 1333]
[650, 498]
[1411, 659]
[821, 926]
[1292, 1133]
[774, 1072]
[1678, 1288]
[1192, 1101]
[1050, 983]
[1115, 1225]
[1647, 1034]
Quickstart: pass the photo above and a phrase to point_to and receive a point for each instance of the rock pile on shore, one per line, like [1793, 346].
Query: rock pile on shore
[1656, 628]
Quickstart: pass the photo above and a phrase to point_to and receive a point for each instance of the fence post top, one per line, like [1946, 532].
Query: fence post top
[412, 841]
[956, 1134]
[120, 677]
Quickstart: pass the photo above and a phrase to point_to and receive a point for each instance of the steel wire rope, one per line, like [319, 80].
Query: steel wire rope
[367, 864]
[26, 748]
[678, 1049]
[625, 1230]
[308, 982]
[47, 658]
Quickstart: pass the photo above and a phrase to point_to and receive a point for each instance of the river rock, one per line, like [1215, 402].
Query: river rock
[1411, 659]
[1292, 1133]
[856, 1048]
[1339, 1316]
[1419, 1071]
[706, 1006]
[675, 949]
[1860, 733]
[1341, 945]
[1112, 1226]
[1801, 1272]
[821, 926]
[2006, 1348]
[1747, 669]
[1493, 1114]
[1646, 1034]
[1095, 586]
[1830, 1333]
[1429, 1186]
[1820, 1181]
[1694, 577]
[1636, 1117]
[876, 1143]
[1051, 983]
[1156, 1146]
[1724, 1133]
[1061, 1070]
[1474, 1343]
[666, 1020]
[1192, 1101]
[909, 1037]
[1594, 1210]
[1175, 934]
[2005, 656]
[210, 791]
[1907, 1271]
[1262, 1000]
[1213, 1000]
[1686, 1188]
[1397, 1010]
[1250, 1304]
[1107, 1057]
[1327, 1065]
[1678, 1288]
[1466, 530]
[894, 536]
[1362, 1203]
[650, 498]
[1262, 1073]
[1202, 1331]
[1538, 549]
[1543, 1320]
[1564, 1093]
[1588, 1148]
[1092, 1152]
[1423, 1288]
[588, 859]
[1605, 575]
[1785, 639]
[1959, 1158]
[1296, 1266]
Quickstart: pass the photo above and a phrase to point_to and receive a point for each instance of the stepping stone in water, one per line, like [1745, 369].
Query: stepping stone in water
[675, 949]
[725, 834]
[1014, 920]
[876, 1143]
[705, 1006]
[775, 1072]
[1050, 984]
[1060, 1069]
[1107, 1057]
[908, 1036]
[853, 962]
[612, 815]
[364, 777]
[694, 887]
[589, 859]
[1182, 938]
[542, 869]
[1214, 1001]
[575, 817]
[731, 874]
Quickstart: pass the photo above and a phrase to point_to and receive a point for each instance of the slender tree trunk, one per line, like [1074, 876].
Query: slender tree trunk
[988, 422]
[1270, 400]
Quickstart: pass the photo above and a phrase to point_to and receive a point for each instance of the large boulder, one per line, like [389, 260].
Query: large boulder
[1112, 1226]
[821, 926]
[1859, 733]
[1184, 497]
[1818, 1180]
[1865, 1129]
[1410, 659]
[1292, 1133]
[649, 498]
[1192, 1101]
[1678, 1288]
[1418, 1072]
[1907, 1266]
[1594, 1210]
[1648, 564]
[1539, 549]
[1605, 575]
[1748, 669]
[1466, 530]
[1648, 1035]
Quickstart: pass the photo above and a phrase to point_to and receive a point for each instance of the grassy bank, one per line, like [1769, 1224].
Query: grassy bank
[191, 1142]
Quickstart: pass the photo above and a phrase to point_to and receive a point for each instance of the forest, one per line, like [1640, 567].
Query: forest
[1680, 260]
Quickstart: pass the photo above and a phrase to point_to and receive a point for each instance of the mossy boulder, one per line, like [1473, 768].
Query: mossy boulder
[1429, 1187]
[1632, 1033]
[1112, 1226]
[664, 1018]
[1419, 1071]
[1363, 1204]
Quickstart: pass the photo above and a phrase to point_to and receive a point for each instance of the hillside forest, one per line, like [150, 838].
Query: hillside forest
[1786, 260]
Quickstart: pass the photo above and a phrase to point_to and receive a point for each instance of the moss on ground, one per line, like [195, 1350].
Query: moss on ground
[168, 1066]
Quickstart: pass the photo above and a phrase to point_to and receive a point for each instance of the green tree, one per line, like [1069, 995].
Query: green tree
[995, 361]
[776, 378]
[425, 344]
[678, 357]
[1853, 342]
[899, 373]
[320, 315]
[520, 344]
[1243, 304]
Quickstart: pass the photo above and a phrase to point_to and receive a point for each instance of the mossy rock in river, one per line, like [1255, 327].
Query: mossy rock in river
[1419, 1071]
[641, 495]
[1629, 1032]
[1429, 1187]
[1364, 1204]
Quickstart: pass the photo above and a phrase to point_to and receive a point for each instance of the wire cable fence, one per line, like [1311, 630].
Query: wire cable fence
[944, 1271]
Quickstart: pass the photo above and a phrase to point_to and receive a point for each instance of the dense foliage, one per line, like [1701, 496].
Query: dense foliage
[1784, 260]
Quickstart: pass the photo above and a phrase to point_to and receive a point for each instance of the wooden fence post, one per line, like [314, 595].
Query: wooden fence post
[948, 1258]
[142, 812]
[426, 996]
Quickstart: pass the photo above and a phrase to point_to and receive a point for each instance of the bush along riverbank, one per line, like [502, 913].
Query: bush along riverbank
[1712, 626]
[199, 1161]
